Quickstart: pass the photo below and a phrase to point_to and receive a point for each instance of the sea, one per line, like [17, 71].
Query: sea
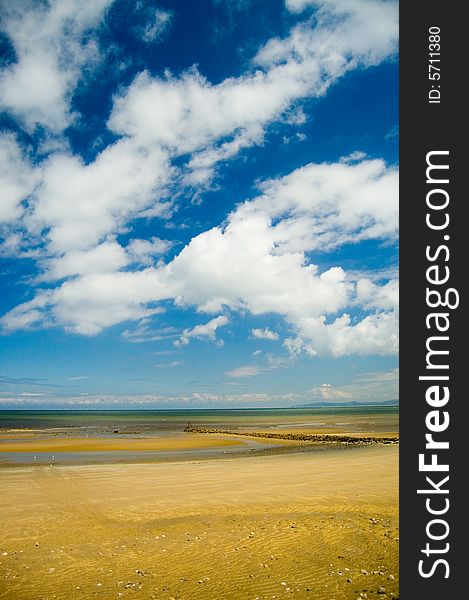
[18, 426]
[359, 418]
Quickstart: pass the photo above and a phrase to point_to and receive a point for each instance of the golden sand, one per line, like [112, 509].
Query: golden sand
[320, 525]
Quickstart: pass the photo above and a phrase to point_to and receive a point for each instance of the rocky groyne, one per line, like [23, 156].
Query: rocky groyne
[319, 438]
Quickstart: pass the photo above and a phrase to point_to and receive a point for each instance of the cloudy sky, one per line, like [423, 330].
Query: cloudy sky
[198, 202]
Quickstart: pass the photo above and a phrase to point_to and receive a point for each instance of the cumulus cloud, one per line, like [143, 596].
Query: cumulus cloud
[79, 204]
[145, 251]
[326, 391]
[17, 178]
[370, 295]
[29, 314]
[374, 334]
[104, 258]
[321, 206]
[77, 209]
[189, 114]
[92, 302]
[51, 49]
[206, 331]
[245, 264]
[264, 334]
[346, 34]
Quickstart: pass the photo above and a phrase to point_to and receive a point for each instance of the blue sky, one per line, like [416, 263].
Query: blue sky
[198, 203]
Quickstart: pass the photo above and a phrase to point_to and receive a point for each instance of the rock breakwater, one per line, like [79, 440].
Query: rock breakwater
[319, 438]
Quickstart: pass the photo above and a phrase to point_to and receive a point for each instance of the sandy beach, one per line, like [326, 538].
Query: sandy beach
[319, 525]
[115, 444]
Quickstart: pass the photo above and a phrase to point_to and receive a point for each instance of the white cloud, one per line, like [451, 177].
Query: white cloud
[92, 302]
[51, 49]
[157, 26]
[244, 371]
[264, 334]
[189, 114]
[144, 251]
[78, 205]
[144, 332]
[17, 178]
[392, 133]
[206, 331]
[236, 267]
[320, 206]
[81, 203]
[355, 156]
[380, 377]
[147, 22]
[326, 391]
[297, 6]
[76, 209]
[107, 257]
[270, 362]
[29, 314]
[95, 301]
[371, 387]
[170, 365]
[372, 296]
[196, 399]
[376, 333]
[257, 262]
[346, 34]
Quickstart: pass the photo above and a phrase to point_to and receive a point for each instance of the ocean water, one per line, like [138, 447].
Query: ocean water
[365, 418]
[22, 424]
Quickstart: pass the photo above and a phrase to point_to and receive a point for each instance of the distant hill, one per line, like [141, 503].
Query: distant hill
[349, 404]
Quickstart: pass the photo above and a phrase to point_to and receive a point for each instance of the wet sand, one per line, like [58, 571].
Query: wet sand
[64, 447]
[113, 444]
[319, 525]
